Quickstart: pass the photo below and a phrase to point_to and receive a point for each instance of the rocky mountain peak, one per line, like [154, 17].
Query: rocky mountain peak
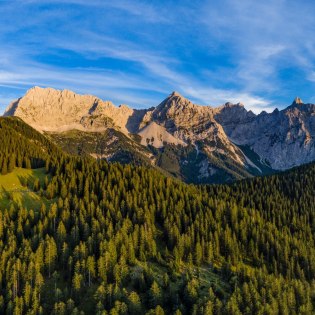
[175, 93]
[228, 104]
[43, 92]
[173, 105]
[175, 99]
[50, 109]
[240, 104]
[297, 101]
[232, 105]
[34, 89]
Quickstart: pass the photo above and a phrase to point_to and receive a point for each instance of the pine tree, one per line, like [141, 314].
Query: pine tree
[91, 269]
[155, 294]
[11, 163]
[4, 168]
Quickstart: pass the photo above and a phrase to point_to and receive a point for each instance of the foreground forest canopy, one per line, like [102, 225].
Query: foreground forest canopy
[113, 239]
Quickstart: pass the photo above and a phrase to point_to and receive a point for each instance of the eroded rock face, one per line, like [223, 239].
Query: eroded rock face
[282, 138]
[193, 123]
[48, 109]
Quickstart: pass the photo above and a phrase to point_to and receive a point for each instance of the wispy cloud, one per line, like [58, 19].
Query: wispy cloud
[264, 37]
[257, 53]
[162, 67]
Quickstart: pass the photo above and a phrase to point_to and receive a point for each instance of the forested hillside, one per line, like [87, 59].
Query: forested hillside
[114, 239]
[23, 146]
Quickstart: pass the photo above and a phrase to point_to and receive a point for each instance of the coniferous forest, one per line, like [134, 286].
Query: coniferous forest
[123, 239]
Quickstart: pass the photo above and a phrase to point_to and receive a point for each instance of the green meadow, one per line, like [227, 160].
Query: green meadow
[16, 188]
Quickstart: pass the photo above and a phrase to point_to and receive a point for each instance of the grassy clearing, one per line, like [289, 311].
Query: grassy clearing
[205, 275]
[209, 279]
[12, 190]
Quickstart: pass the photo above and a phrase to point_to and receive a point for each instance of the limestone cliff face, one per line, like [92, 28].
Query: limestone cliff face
[193, 124]
[48, 109]
[219, 136]
[282, 138]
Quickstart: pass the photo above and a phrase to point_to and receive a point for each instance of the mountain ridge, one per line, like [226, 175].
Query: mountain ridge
[217, 136]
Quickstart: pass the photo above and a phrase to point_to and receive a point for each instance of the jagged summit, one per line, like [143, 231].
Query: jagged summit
[175, 93]
[174, 101]
[297, 101]
[230, 104]
[34, 88]
[240, 104]
[47, 90]
[176, 98]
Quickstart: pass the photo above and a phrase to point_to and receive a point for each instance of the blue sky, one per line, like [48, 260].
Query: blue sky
[260, 53]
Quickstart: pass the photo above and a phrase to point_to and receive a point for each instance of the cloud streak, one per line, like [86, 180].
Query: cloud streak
[138, 52]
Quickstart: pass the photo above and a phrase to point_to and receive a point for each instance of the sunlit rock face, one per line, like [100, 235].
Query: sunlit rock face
[218, 136]
[55, 110]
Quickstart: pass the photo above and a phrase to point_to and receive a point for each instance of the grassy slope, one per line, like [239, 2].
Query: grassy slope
[13, 191]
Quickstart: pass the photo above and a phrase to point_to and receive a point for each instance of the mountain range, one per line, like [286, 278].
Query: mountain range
[199, 144]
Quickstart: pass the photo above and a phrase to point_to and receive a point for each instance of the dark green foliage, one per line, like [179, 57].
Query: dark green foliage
[168, 160]
[23, 146]
[121, 239]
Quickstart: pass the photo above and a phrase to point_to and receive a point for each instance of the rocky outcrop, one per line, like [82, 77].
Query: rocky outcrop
[282, 138]
[48, 109]
[193, 124]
